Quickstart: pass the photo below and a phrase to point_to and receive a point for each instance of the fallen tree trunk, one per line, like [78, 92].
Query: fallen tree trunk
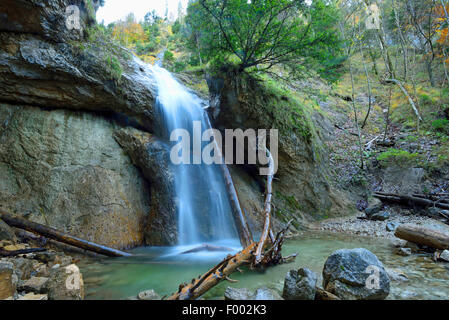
[60, 236]
[410, 200]
[425, 236]
[220, 272]
[7, 253]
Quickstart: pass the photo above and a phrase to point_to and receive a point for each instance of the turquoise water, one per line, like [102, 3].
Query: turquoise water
[163, 269]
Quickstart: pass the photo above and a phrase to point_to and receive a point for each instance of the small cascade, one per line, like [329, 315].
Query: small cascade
[204, 211]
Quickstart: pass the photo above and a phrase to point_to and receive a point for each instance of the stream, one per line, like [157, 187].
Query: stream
[163, 269]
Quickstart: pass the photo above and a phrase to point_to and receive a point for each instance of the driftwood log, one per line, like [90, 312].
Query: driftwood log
[7, 253]
[424, 236]
[418, 200]
[60, 236]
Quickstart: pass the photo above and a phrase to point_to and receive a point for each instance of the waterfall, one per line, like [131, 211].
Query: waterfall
[204, 211]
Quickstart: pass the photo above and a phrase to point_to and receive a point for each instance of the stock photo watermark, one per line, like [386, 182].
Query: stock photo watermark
[372, 22]
[73, 18]
[192, 150]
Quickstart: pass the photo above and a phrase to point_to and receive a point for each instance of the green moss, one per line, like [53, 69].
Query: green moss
[288, 112]
[400, 158]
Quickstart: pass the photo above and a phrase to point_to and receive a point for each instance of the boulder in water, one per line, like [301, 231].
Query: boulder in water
[300, 285]
[148, 295]
[263, 293]
[355, 274]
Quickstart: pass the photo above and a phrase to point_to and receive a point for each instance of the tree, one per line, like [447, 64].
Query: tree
[267, 33]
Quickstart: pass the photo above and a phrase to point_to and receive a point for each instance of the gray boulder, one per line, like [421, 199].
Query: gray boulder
[300, 285]
[65, 283]
[355, 274]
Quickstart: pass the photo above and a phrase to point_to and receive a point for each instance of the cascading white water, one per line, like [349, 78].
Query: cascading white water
[204, 211]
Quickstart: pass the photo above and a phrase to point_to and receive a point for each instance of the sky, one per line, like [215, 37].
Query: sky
[115, 10]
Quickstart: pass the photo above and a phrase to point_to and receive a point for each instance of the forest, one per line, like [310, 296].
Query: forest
[343, 103]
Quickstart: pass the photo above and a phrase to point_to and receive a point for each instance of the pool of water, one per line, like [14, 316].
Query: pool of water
[163, 269]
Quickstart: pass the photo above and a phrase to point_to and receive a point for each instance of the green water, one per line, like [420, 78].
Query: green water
[151, 269]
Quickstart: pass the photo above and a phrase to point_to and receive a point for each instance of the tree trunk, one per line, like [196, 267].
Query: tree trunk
[424, 236]
[60, 236]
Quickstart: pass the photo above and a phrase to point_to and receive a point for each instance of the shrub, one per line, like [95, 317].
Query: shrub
[400, 158]
[441, 125]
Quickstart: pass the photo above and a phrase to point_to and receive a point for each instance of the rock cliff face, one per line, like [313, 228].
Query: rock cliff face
[62, 97]
[64, 169]
[302, 191]
[152, 156]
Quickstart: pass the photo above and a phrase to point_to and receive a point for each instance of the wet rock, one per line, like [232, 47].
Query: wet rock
[355, 274]
[148, 295]
[6, 232]
[237, 294]
[444, 256]
[263, 293]
[7, 282]
[380, 216]
[65, 283]
[88, 183]
[33, 296]
[396, 275]
[152, 156]
[34, 284]
[391, 226]
[300, 285]
[403, 251]
[266, 294]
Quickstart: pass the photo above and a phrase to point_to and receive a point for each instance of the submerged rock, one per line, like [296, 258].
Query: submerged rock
[148, 295]
[403, 251]
[263, 293]
[355, 274]
[300, 285]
